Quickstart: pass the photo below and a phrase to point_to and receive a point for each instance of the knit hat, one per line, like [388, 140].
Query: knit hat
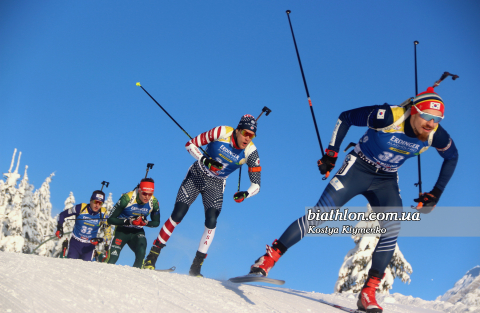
[98, 195]
[248, 122]
[428, 100]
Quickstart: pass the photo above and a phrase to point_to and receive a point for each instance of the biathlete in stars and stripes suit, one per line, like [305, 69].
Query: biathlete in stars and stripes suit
[227, 150]
[89, 218]
[394, 135]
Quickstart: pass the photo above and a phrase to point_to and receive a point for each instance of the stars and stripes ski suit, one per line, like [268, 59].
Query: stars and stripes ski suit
[221, 146]
[371, 170]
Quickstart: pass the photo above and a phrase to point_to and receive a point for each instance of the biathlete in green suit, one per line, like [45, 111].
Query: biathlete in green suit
[130, 215]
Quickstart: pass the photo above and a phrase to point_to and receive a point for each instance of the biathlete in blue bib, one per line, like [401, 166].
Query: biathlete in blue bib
[228, 149]
[394, 135]
[89, 218]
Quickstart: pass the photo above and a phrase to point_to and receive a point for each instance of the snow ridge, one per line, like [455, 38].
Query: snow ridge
[466, 289]
[31, 283]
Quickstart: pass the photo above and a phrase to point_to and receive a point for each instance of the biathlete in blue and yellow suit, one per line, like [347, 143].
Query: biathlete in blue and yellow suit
[130, 215]
[394, 135]
[227, 150]
[89, 219]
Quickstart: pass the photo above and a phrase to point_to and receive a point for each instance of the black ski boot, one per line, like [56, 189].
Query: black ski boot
[151, 259]
[197, 264]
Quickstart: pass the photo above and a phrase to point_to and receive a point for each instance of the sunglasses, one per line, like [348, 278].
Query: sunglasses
[97, 202]
[146, 194]
[428, 117]
[245, 133]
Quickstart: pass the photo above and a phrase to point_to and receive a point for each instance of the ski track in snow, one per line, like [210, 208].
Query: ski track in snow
[30, 283]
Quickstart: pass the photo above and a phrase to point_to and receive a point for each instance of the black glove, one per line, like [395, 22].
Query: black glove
[59, 232]
[428, 201]
[211, 164]
[240, 196]
[327, 162]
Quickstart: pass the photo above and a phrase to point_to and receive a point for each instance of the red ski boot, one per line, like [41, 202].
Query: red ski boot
[265, 263]
[366, 298]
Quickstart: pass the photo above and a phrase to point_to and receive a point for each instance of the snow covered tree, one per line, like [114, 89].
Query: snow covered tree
[354, 270]
[29, 224]
[43, 211]
[2, 209]
[25, 216]
[12, 239]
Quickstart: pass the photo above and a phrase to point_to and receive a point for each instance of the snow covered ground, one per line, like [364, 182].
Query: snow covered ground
[30, 283]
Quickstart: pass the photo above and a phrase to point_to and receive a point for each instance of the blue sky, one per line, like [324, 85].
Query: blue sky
[69, 103]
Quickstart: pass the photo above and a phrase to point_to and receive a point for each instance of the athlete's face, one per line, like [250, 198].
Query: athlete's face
[421, 127]
[96, 205]
[242, 140]
[145, 196]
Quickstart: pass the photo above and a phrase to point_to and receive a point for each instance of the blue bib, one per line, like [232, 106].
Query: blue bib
[223, 152]
[389, 147]
[87, 225]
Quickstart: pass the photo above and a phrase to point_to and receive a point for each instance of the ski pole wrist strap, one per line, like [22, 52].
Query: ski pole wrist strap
[331, 153]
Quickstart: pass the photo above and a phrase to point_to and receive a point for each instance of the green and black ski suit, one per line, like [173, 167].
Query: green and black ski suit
[129, 206]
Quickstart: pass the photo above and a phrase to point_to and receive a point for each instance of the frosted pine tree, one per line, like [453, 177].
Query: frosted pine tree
[43, 212]
[12, 239]
[67, 226]
[30, 228]
[2, 209]
[357, 262]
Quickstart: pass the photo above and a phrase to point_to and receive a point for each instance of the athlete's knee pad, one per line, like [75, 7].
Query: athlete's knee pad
[211, 215]
[179, 212]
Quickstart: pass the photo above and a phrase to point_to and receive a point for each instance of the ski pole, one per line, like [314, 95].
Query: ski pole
[444, 75]
[149, 166]
[306, 89]
[85, 219]
[139, 85]
[52, 237]
[419, 184]
[267, 111]
[64, 247]
[104, 184]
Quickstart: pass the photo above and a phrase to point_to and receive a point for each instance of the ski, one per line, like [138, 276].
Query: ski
[260, 278]
[168, 270]
[250, 278]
